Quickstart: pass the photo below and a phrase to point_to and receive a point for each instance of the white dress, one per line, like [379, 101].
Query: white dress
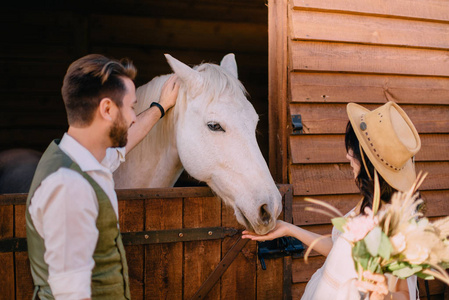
[335, 279]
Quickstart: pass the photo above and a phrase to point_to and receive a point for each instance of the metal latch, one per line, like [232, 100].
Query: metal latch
[297, 124]
[281, 247]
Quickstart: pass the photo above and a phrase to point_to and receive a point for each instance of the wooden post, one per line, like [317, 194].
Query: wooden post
[277, 89]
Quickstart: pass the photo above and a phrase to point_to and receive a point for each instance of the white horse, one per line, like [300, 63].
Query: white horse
[211, 133]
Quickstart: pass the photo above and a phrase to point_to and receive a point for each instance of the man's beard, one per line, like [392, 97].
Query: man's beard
[119, 132]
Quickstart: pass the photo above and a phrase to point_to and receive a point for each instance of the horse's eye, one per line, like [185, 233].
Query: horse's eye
[215, 126]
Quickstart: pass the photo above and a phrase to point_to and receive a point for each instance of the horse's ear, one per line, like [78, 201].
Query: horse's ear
[229, 64]
[189, 76]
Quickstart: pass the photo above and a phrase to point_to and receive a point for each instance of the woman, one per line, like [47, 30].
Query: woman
[384, 141]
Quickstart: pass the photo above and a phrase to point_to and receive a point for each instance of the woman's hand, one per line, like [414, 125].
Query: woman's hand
[376, 285]
[281, 229]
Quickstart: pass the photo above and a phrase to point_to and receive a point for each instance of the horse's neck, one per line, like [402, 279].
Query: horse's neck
[154, 162]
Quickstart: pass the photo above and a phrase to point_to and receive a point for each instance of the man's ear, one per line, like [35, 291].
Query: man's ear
[106, 109]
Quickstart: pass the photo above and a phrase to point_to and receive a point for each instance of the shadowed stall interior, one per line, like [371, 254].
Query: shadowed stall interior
[41, 39]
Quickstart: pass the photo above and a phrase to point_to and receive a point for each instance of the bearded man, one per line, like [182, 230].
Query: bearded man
[74, 242]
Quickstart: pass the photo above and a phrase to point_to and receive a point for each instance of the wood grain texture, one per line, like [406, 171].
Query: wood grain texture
[277, 89]
[7, 289]
[343, 57]
[435, 202]
[332, 118]
[302, 271]
[24, 281]
[163, 277]
[252, 11]
[351, 28]
[367, 88]
[191, 34]
[132, 218]
[331, 148]
[434, 10]
[324, 179]
[368, 52]
[239, 280]
[201, 257]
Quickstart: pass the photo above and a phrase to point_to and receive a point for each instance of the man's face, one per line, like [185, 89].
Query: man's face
[126, 117]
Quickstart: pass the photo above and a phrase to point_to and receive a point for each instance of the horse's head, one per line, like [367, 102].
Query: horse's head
[216, 141]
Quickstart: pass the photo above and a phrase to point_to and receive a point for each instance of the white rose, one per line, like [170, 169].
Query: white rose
[416, 255]
[398, 242]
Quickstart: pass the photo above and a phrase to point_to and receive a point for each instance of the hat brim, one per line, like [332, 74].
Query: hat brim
[403, 179]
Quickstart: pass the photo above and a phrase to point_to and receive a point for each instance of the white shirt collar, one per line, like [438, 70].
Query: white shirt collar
[80, 155]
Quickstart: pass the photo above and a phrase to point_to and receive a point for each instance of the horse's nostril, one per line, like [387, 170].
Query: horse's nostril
[264, 214]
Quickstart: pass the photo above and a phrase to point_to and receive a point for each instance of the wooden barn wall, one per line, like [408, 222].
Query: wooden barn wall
[41, 38]
[368, 52]
[174, 270]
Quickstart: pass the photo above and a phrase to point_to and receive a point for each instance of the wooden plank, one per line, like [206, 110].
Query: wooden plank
[273, 275]
[26, 118]
[175, 33]
[7, 272]
[275, 281]
[163, 263]
[169, 194]
[151, 62]
[239, 280]
[338, 178]
[436, 287]
[430, 10]
[435, 202]
[24, 281]
[22, 101]
[34, 138]
[332, 118]
[250, 11]
[344, 203]
[277, 89]
[342, 57]
[201, 257]
[131, 219]
[309, 148]
[343, 27]
[298, 290]
[132, 194]
[38, 26]
[302, 272]
[28, 50]
[371, 88]
[331, 148]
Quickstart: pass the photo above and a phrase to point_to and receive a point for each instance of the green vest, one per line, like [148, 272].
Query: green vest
[110, 274]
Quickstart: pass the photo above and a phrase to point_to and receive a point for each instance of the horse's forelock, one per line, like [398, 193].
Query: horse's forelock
[218, 82]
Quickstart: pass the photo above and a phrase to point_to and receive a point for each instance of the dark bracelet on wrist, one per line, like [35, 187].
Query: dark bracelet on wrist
[160, 108]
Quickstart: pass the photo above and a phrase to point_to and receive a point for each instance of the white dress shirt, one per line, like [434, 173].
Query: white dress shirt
[64, 210]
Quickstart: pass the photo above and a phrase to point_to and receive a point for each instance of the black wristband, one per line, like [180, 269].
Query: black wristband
[160, 108]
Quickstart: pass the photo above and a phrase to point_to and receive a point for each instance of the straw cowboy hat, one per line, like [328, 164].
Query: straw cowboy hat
[390, 141]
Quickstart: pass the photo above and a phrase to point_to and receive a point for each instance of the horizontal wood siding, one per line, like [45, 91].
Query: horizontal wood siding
[368, 52]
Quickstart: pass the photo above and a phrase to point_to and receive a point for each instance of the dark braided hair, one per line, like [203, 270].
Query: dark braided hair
[363, 181]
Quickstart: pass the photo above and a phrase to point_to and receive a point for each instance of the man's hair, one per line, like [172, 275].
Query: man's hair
[90, 79]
